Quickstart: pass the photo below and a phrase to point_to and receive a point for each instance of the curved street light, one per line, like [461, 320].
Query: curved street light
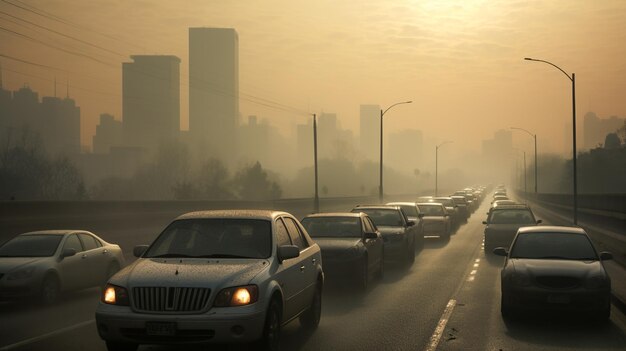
[536, 164]
[437, 164]
[382, 113]
[572, 78]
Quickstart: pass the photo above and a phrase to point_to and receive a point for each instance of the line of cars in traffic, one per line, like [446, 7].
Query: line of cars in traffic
[546, 268]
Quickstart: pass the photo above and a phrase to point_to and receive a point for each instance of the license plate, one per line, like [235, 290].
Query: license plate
[161, 328]
[562, 299]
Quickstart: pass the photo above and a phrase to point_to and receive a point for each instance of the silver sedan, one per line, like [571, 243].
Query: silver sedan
[44, 263]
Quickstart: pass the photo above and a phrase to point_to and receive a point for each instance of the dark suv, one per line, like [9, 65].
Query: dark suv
[503, 223]
[399, 233]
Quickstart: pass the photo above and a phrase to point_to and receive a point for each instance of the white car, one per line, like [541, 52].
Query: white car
[228, 276]
[45, 263]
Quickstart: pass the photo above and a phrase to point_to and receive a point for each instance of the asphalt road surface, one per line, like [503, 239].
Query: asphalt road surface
[448, 300]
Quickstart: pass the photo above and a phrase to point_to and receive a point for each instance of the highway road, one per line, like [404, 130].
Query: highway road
[448, 300]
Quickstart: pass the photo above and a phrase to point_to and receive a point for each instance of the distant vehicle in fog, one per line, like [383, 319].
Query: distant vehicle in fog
[462, 206]
[399, 233]
[352, 247]
[45, 263]
[229, 276]
[412, 213]
[554, 268]
[436, 219]
[503, 222]
[451, 208]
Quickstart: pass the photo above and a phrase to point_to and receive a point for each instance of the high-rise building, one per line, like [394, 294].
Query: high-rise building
[109, 133]
[369, 137]
[151, 100]
[60, 125]
[214, 89]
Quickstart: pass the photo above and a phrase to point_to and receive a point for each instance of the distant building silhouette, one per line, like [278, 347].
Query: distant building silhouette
[109, 133]
[54, 121]
[595, 129]
[214, 90]
[369, 137]
[151, 100]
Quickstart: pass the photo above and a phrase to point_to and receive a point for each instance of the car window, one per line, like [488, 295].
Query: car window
[432, 210]
[512, 216]
[72, 242]
[89, 242]
[214, 238]
[384, 217]
[295, 234]
[371, 224]
[553, 246]
[31, 246]
[410, 210]
[281, 233]
[332, 226]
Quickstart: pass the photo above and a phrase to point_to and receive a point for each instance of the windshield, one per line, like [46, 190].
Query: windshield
[324, 227]
[384, 218]
[44, 245]
[214, 238]
[445, 202]
[512, 216]
[432, 210]
[566, 246]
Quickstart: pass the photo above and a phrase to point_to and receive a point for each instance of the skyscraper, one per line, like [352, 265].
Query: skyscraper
[151, 100]
[370, 131]
[214, 89]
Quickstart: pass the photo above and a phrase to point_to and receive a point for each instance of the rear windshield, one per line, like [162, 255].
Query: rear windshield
[459, 200]
[565, 246]
[445, 202]
[214, 238]
[383, 217]
[31, 246]
[512, 216]
[322, 227]
[432, 210]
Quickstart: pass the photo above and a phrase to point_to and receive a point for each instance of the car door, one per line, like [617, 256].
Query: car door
[97, 260]
[288, 273]
[307, 261]
[73, 269]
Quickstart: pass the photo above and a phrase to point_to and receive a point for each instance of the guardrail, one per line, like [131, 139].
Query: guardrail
[607, 205]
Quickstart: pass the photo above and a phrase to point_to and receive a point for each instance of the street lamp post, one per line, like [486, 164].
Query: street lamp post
[382, 113]
[572, 78]
[536, 164]
[316, 200]
[437, 165]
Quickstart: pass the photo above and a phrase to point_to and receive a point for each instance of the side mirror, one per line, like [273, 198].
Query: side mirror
[139, 250]
[605, 256]
[370, 235]
[286, 252]
[485, 222]
[68, 253]
[500, 251]
[410, 223]
[539, 221]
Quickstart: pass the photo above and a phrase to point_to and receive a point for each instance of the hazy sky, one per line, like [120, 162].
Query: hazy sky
[461, 62]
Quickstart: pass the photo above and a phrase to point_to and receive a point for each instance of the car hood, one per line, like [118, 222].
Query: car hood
[506, 228]
[190, 272]
[569, 268]
[391, 230]
[8, 264]
[336, 244]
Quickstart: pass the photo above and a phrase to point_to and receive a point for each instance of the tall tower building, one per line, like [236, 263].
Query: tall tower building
[151, 100]
[370, 131]
[214, 89]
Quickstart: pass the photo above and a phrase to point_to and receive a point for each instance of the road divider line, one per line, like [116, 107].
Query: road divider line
[47, 335]
[441, 326]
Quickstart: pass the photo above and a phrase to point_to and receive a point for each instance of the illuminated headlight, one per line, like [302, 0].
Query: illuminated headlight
[520, 279]
[596, 282]
[115, 295]
[21, 273]
[237, 296]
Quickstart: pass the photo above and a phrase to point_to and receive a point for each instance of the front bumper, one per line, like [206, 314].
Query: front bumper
[121, 324]
[537, 298]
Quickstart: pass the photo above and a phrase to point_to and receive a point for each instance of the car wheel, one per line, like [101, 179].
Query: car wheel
[270, 340]
[50, 289]
[121, 346]
[381, 267]
[603, 315]
[363, 275]
[505, 308]
[311, 318]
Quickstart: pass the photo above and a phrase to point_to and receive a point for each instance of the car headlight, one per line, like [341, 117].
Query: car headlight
[596, 282]
[520, 279]
[237, 296]
[115, 295]
[21, 273]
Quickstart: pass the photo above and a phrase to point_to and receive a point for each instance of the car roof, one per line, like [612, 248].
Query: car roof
[406, 203]
[429, 204]
[511, 207]
[377, 207]
[240, 214]
[443, 198]
[55, 232]
[336, 214]
[551, 229]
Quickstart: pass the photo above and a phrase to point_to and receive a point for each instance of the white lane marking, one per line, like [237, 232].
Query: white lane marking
[47, 335]
[436, 337]
[471, 279]
[473, 271]
[477, 260]
[476, 265]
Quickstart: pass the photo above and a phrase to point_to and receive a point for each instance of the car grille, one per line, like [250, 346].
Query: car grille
[169, 299]
[558, 282]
